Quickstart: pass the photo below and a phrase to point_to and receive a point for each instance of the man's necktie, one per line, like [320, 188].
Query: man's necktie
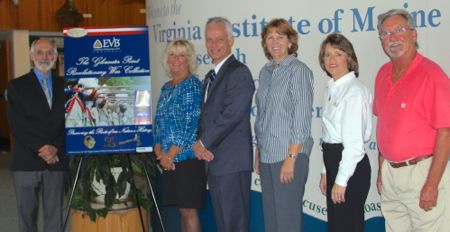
[212, 77]
[46, 91]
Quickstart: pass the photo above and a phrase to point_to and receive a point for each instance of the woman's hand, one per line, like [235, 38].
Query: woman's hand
[166, 158]
[323, 184]
[338, 194]
[167, 162]
[158, 151]
[287, 170]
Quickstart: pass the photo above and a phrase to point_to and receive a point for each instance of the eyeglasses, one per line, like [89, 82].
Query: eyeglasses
[396, 31]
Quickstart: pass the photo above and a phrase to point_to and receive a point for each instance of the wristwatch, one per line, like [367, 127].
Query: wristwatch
[292, 155]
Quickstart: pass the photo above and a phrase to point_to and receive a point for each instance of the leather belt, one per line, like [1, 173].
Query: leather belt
[409, 162]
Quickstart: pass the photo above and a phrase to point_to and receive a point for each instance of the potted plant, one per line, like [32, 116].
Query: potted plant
[105, 184]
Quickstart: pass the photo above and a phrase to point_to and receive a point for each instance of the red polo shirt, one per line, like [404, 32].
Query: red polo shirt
[411, 110]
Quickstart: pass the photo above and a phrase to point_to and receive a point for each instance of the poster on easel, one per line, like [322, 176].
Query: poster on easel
[108, 92]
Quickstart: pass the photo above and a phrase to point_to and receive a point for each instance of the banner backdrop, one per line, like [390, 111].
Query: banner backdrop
[108, 105]
[357, 20]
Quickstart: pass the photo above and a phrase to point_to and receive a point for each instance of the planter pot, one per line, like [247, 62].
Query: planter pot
[116, 221]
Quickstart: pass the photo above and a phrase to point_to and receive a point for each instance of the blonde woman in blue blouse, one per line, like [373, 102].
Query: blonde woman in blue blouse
[175, 131]
[346, 126]
[283, 128]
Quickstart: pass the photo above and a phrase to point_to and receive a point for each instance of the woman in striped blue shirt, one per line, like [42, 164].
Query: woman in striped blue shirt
[283, 128]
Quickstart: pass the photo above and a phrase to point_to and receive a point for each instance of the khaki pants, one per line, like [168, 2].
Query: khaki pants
[400, 199]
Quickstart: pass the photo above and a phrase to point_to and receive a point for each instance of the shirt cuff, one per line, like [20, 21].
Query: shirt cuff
[341, 180]
[201, 143]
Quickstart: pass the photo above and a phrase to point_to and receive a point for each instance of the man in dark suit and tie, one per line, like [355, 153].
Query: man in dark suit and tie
[35, 111]
[225, 138]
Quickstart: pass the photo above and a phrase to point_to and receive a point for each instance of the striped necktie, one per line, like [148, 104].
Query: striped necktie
[44, 86]
[212, 77]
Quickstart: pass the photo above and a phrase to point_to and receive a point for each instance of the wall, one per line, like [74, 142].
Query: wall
[168, 19]
[20, 53]
[19, 47]
[39, 15]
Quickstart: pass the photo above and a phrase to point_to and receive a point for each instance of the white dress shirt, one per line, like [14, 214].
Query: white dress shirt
[347, 119]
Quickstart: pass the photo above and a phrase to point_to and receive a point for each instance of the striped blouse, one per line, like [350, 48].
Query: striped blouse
[284, 103]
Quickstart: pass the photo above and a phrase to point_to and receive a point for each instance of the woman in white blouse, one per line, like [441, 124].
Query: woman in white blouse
[347, 125]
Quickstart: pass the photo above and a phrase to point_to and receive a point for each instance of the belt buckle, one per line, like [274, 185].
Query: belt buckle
[408, 163]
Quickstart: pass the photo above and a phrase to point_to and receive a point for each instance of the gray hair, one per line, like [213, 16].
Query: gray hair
[400, 12]
[221, 20]
[51, 41]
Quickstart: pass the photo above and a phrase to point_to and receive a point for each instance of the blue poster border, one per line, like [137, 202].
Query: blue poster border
[108, 90]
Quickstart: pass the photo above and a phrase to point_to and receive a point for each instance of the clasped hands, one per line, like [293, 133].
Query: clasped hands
[201, 152]
[49, 154]
[165, 161]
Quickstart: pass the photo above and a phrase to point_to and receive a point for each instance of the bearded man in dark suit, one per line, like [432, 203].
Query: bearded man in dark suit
[35, 110]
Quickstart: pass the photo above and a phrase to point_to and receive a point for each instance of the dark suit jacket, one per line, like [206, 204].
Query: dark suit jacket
[34, 124]
[225, 119]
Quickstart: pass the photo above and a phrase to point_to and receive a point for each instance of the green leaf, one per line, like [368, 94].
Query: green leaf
[99, 167]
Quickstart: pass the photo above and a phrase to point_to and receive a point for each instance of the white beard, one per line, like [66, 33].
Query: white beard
[43, 66]
[393, 51]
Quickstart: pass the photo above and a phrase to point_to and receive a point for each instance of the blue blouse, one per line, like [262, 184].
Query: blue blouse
[177, 117]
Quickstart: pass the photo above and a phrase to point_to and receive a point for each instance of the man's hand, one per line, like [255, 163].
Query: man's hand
[207, 155]
[379, 183]
[49, 154]
[201, 152]
[198, 149]
[380, 165]
[428, 196]
[441, 155]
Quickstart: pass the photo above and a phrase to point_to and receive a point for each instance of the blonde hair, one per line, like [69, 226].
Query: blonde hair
[181, 46]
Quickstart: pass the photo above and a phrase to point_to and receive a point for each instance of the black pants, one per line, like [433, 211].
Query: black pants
[348, 216]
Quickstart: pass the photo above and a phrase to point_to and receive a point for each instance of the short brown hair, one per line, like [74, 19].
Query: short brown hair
[283, 27]
[339, 41]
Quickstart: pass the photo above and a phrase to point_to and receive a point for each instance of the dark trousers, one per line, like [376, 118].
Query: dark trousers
[27, 185]
[348, 216]
[230, 196]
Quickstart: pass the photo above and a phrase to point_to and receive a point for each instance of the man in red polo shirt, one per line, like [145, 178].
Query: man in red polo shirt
[412, 103]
